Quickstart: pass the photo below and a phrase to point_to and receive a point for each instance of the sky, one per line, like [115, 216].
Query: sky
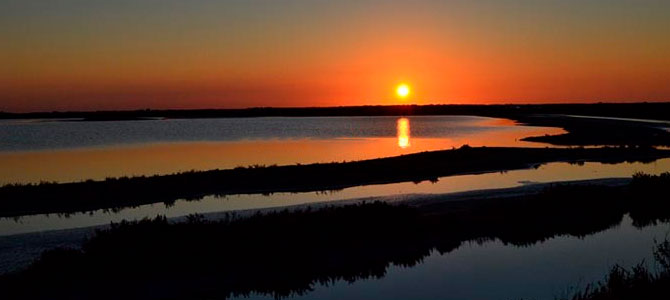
[137, 54]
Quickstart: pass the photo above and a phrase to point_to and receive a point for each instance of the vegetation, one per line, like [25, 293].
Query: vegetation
[286, 253]
[638, 282]
[118, 193]
[593, 131]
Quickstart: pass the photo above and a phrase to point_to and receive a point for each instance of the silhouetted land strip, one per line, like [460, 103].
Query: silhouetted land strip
[658, 111]
[286, 253]
[595, 131]
[123, 192]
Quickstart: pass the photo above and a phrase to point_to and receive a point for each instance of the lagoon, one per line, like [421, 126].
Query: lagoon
[71, 150]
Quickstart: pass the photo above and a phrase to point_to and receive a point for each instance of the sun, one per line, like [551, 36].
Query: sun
[402, 90]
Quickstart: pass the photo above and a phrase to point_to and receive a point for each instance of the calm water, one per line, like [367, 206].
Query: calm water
[546, 173]
[68, 151]
[50, 135]
[493, 270]
[31, 151]
[164, 146]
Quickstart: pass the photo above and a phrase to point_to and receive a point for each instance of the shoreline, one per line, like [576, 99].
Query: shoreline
[31, 244]
[118, 193]
[331, 242]
[644, 110]
[586, 124]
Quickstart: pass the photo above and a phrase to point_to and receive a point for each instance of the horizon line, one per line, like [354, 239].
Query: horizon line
[326, 107]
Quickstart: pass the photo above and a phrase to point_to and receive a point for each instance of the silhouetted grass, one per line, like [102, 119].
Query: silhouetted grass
[638, 282]
[118, 193]
[285, 253]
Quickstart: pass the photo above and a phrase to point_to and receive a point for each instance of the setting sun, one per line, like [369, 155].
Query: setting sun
[402, 90]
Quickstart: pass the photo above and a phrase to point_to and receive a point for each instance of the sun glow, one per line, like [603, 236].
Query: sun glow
[402, 90]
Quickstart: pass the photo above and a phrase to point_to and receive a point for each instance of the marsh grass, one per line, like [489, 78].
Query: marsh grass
[286, 252]
[638, 282]
[125, 192]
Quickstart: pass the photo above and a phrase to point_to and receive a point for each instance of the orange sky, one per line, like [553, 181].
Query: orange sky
[96, 54]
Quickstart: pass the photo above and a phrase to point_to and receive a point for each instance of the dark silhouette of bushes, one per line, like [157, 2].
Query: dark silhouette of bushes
[279, 254]
[119, 193]
[287, 252]
[638, 282]
[651, 194]
[597, 132]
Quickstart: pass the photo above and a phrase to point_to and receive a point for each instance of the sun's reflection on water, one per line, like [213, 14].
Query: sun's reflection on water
[403, 133]
[430, 133]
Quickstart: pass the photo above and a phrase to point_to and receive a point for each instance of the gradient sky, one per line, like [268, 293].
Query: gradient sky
[130, 54]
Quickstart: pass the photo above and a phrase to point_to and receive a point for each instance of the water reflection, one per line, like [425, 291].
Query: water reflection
[495, 270]
[357, 139]
[403, 133]
[210, 204]
[350, 251]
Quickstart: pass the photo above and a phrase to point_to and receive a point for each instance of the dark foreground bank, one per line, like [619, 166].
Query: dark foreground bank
[286, 253]
[118, 193]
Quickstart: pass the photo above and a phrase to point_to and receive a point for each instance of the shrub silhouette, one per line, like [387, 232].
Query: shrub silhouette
[117, 193]
[288, 252]
[636, 283]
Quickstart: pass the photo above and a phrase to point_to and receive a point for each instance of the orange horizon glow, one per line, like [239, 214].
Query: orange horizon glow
[238, 55]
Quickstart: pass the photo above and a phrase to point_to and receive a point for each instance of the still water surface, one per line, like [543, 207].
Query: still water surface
[69, 151]
[493, 270]
[545, 173]
[32, 151]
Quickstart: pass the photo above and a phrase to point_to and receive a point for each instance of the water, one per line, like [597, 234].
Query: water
[83, 150]
[38, 150]
[551, 172]
[493, 270]
[50, 135]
